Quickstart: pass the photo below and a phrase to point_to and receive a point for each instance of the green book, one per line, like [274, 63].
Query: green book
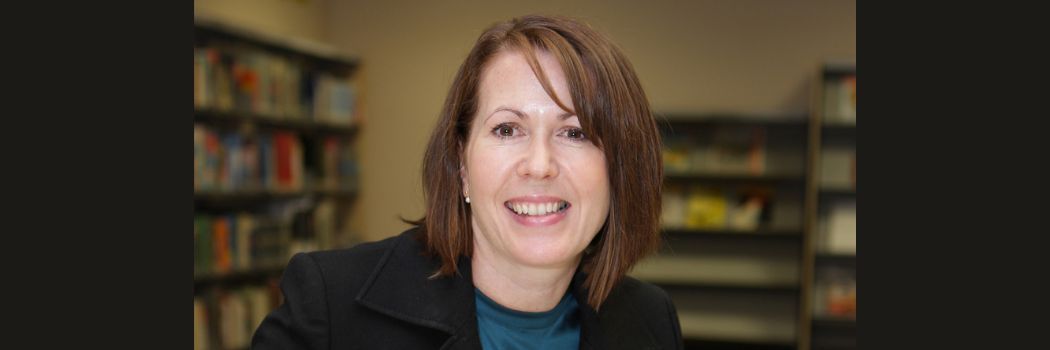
[202, 251]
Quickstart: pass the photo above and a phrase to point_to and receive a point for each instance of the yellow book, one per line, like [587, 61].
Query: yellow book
[706, 209]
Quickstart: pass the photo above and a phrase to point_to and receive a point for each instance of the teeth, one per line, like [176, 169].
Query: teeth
[538, 209]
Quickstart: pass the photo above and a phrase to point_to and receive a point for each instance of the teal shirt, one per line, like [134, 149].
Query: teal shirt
[503, 328]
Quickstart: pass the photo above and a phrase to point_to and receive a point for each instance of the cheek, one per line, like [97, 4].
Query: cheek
[592, 175]
[488, 169]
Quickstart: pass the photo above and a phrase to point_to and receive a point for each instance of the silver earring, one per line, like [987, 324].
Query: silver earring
[468, 199]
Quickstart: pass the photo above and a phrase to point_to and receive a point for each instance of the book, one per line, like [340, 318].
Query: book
[259, 305]
[200, 325]
[198, 155]
[840, 99]
[842, 227]
[349, 167]
[673, 211]
[324, 224]
[232, 77]
[212, 161]
[284, 150]
[232, 175]
[334, 100]
[200, 79]
[233, 320]
[839, 292]
[245, 225]
[268, 241]
[267, 164]
[750, 209]
[221, 245]
[203, 244]
[706, 208]
[676, 154]
[738, 150]
[836, 167]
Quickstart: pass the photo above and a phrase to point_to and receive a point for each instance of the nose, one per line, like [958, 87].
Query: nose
[539, 160]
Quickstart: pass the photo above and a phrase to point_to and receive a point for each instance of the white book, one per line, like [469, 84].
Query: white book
[842, 227]
[836, 167]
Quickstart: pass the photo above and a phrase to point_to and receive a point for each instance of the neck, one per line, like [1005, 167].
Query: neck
[522, 288]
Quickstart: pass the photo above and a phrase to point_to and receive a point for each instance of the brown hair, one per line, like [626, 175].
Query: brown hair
[613, 111]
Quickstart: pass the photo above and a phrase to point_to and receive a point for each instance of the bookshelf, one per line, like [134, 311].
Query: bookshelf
[759, 219]
[275, 169]
[828, 310]
[675, 234]
[733, 226]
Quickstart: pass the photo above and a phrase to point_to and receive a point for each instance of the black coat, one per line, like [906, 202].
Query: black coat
[377, 296]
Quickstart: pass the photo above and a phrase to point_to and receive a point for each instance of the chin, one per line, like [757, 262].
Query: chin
[545, 256]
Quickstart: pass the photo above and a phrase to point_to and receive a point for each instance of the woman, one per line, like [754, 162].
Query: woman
[542, 185]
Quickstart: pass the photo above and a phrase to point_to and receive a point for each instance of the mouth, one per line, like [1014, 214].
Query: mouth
[532, 208]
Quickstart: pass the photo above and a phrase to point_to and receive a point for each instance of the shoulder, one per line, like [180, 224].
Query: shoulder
[633, 295]
[349, 267]
[635, 305]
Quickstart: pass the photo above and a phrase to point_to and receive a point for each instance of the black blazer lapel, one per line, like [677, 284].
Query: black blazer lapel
[399, 287]
[615, 326]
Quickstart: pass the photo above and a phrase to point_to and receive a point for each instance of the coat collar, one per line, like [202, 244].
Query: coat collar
[399, 287]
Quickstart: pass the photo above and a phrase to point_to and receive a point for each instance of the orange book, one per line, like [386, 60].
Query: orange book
[221, 245]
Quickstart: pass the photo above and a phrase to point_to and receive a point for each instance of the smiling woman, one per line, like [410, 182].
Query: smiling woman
[527, 152]
[542, 184]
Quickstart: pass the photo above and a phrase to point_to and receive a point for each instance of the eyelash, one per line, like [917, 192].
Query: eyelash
[581, 138]
[499, 128]
[498, 131]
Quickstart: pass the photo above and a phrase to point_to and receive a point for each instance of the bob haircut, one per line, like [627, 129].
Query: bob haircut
[613, 112]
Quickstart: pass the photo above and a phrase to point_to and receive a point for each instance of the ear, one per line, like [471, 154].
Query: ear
[463, 178]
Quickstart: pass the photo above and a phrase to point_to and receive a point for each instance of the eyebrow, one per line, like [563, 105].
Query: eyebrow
[522, 115]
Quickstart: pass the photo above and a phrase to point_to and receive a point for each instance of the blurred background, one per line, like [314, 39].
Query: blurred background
[311, 118]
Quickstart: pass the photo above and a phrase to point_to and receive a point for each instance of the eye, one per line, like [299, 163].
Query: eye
[575, 134]
[504, 130]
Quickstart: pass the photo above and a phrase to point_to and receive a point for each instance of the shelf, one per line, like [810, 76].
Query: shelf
[261, 195]
[840, 68]
[702, 342]
[216, 200]
[235, 119]
[682, 274]
[729, 178]
[729, 287]
[322, 54]
[838, 125]
[762, 234]
[839, 131]
[672, 120]
[837, 323]
[254, 274]
[838, 259]
[841, 192]
[834, 333]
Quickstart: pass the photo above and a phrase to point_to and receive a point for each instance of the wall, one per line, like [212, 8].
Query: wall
[750, 56]
[691, 56]
[295, 18]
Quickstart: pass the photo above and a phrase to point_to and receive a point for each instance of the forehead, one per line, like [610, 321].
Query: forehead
[508, 80]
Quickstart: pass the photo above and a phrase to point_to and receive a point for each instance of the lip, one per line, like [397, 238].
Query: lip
[537, 221]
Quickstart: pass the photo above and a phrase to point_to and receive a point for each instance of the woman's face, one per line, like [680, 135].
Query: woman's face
[538, 187]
